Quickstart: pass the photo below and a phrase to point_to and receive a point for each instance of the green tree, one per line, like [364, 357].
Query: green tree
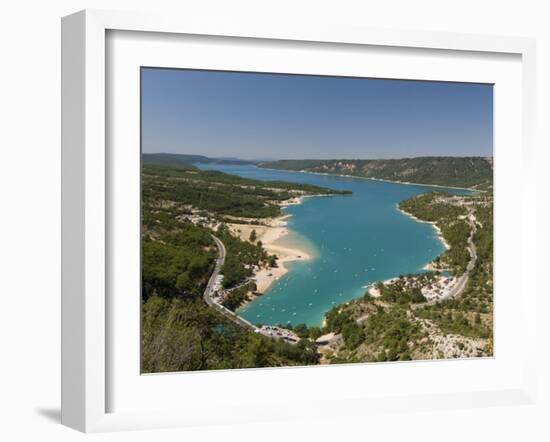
[314, 332]
[272, 261]
[301, 330]
[353, 335]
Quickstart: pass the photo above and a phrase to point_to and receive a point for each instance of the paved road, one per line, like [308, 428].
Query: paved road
[269, 331]
[220, 260]
[463, 279]
[209, 291]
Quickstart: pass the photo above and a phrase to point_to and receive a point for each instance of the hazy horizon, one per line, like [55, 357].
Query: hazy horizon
[232, 157]
[261, 117]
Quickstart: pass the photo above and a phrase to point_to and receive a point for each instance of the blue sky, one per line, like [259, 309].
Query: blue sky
[269, 116]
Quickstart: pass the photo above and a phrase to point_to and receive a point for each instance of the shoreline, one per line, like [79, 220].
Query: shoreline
[407, 183]
[270, 233]
[373, 291]
[440, 236]
[270, 241]
[431, 265]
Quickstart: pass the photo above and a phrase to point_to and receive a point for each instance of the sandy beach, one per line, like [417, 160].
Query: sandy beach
[374, 291]
[269, 233]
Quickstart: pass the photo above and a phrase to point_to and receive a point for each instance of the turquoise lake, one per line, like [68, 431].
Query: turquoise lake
[354, 240]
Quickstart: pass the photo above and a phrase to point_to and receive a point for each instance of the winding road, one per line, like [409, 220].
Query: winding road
[209, 291]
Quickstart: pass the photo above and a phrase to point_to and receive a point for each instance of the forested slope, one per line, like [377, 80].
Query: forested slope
[442, 171]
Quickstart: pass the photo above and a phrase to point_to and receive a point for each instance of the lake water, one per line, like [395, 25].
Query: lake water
[354, 240]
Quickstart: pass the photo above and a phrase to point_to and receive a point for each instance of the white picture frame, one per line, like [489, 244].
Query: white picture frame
[86, 205]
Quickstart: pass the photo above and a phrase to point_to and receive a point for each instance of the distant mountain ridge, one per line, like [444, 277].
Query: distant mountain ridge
[470, 172]
[182, 160]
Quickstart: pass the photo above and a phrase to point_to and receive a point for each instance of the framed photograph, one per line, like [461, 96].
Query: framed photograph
[326, 221]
